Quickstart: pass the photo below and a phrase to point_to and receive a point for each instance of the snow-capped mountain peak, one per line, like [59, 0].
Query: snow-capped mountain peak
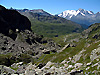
[81, 16]
[70, 13]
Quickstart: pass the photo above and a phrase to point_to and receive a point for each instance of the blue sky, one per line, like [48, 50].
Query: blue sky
[53, 6]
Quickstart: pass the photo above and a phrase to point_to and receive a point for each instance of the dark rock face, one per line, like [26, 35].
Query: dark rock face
[77, 72]
[12, 20]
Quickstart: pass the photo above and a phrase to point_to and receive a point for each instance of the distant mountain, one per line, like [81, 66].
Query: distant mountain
[38, 11]
[48, 25]
[81, 16]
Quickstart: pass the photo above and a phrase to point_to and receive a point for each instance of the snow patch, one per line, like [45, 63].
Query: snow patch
[69, 13]
[90, 12]
[71, 16]
[83, 14]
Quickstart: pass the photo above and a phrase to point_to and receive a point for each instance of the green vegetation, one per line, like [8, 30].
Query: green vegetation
[14, 68]
[52, 26]
[59, 57]
[87, 44]
[25, 58]
[7, 59]
[64, 39]
[84, 50]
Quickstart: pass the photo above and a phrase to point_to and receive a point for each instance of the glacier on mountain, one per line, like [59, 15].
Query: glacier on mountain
[81, 16]
[72, 13]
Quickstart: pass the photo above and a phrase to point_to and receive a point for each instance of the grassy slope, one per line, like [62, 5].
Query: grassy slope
[82, 44]
[72, 51]
[51, 29]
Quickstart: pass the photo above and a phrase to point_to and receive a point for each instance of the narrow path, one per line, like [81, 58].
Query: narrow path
[66, 46]
[42, 58]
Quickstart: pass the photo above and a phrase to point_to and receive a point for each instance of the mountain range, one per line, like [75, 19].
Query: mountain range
[81, 16]
[38, 11]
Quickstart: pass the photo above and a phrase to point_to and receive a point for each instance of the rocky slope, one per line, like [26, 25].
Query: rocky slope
[18, 42]
[81, 16]
[80, 55]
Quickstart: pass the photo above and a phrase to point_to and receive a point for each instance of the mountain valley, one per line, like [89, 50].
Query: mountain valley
[34, 42]
[48, 25]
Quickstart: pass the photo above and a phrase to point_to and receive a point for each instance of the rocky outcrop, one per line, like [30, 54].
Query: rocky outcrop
[6, 70]
[48, 69]
[93, 30]
[11, 20]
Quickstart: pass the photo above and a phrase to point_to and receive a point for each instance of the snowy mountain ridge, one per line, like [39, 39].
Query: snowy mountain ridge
[71, 13]
[81, 16]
